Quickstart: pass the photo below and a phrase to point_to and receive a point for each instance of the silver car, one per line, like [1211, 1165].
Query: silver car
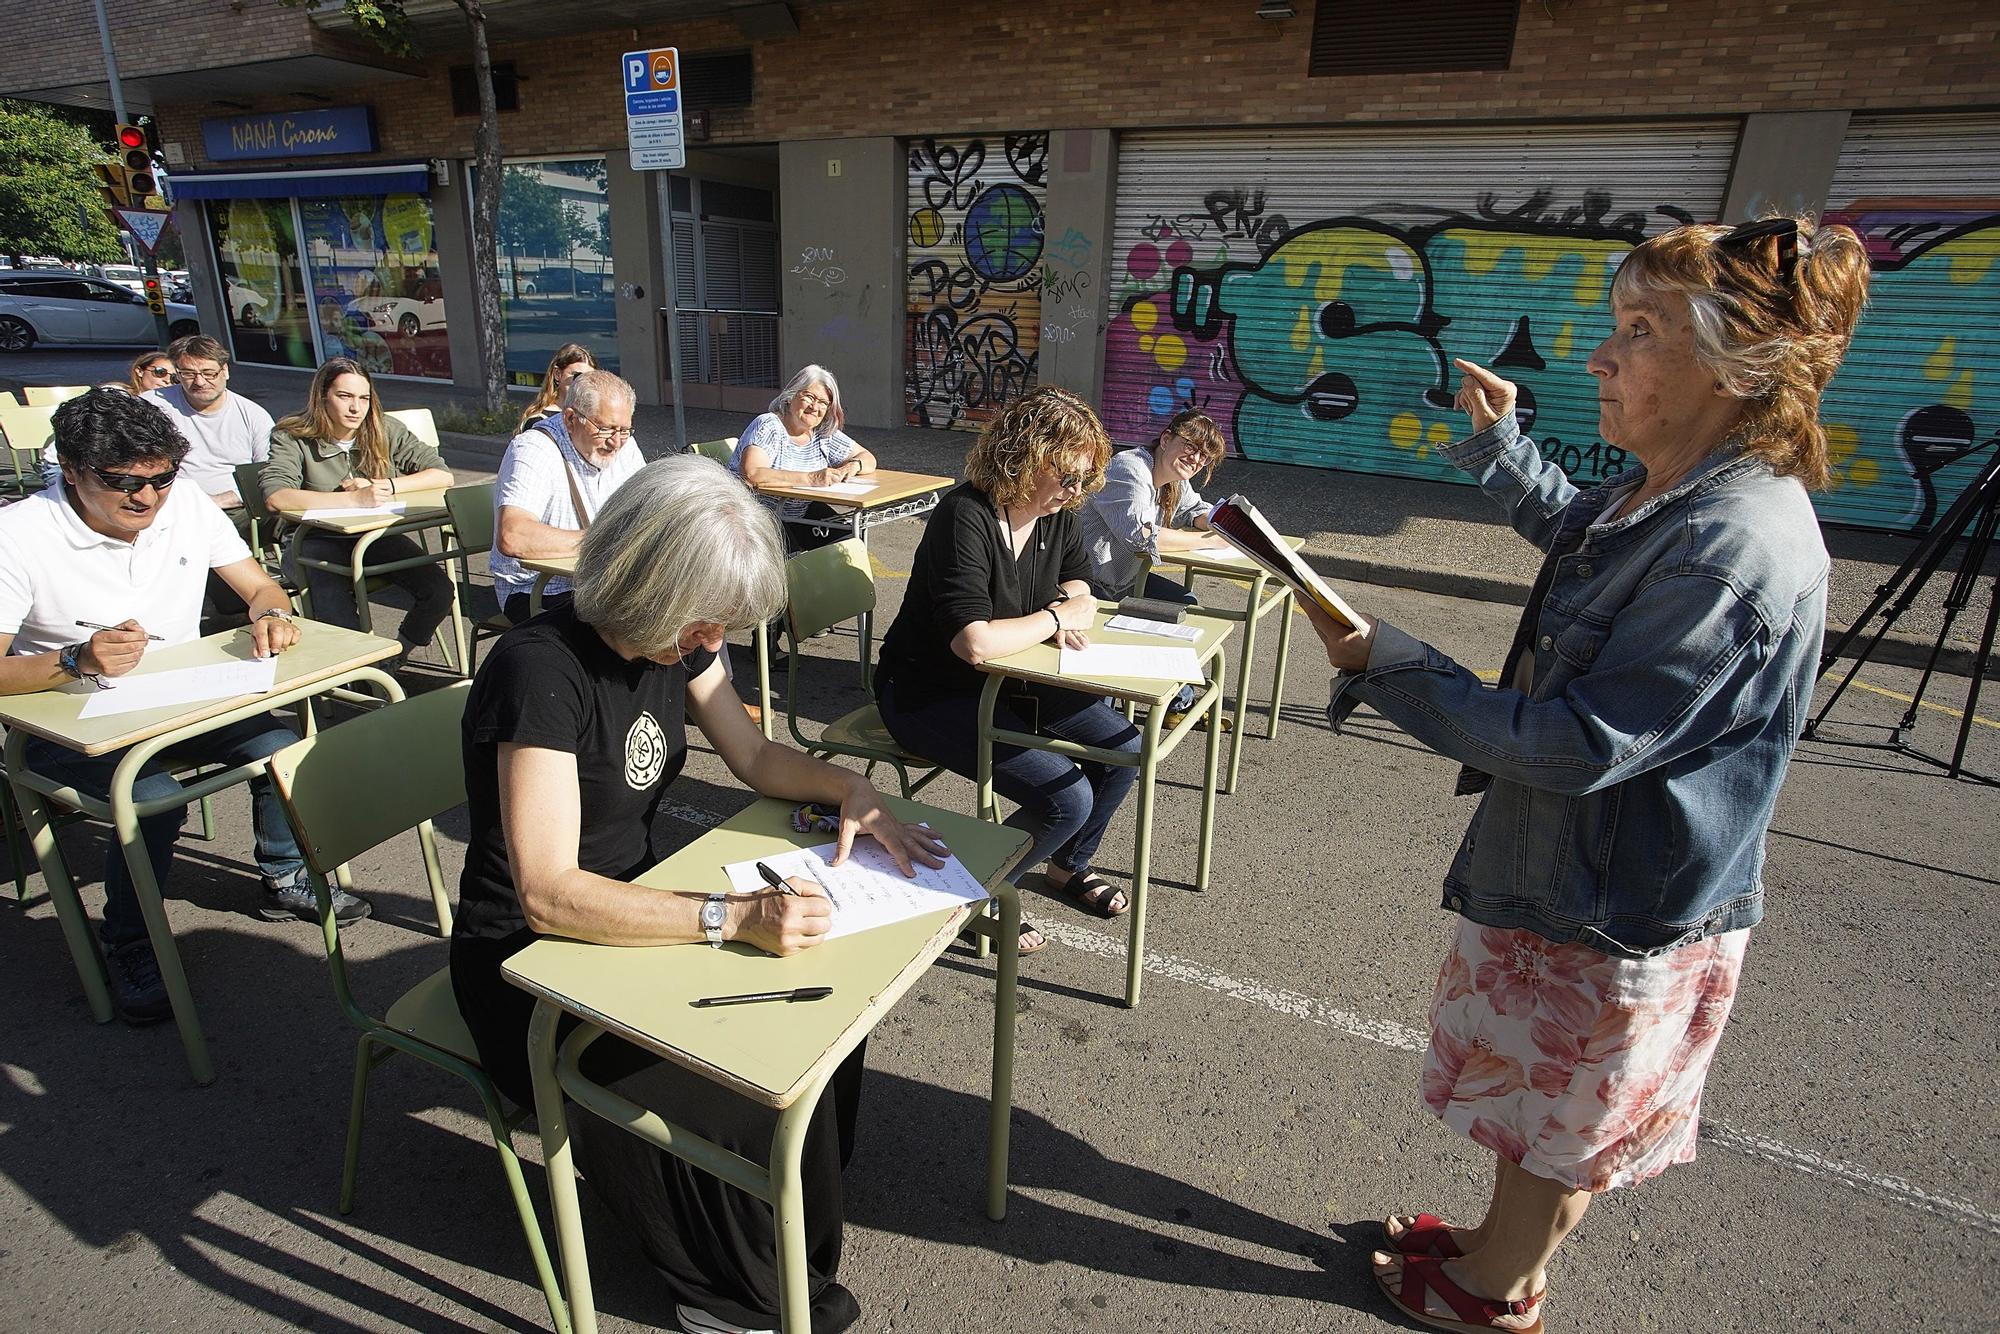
[57, 306]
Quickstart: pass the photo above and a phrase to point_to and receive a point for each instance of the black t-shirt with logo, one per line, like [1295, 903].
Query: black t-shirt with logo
[554, 683]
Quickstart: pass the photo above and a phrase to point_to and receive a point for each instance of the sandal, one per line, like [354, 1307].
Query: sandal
[1426, 1234]
[1096, 894]
[1023, 947]
[1475, 1314]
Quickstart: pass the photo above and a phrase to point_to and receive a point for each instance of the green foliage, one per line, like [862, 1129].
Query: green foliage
[49, 203]
[478, 421]
[381, 21]
[534, 217]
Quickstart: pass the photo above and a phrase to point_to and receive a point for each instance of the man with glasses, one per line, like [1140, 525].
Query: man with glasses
[122, 541]
[554, 478]
[222, 429]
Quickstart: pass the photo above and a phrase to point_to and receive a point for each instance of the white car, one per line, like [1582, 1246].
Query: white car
[408, 316]
[128, 276]
[244, 301]
[57, 306]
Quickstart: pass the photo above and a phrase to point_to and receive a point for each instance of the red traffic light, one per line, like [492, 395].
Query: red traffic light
[152, 285]
[131, 136]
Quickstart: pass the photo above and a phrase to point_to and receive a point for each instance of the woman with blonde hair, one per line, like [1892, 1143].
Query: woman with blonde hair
[1000, 567]
[341, 451]
[1632, 751]
[570, 361]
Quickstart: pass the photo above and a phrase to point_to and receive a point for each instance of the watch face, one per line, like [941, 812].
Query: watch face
[712, 914]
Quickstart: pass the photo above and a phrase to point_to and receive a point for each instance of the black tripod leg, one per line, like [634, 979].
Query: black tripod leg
[1980, 662]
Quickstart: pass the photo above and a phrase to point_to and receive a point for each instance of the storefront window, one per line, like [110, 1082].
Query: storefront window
[257, 252]
[375, 284]
[555, 263]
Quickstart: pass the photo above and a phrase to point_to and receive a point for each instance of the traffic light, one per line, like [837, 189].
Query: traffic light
[137, 159]
[156, 300]
[113, 185]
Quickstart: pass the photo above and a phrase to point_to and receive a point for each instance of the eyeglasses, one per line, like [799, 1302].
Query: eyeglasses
[205, 377]
[131, 484]
[603, 432]
[1785, 230]
[159, 372]
[814, 401]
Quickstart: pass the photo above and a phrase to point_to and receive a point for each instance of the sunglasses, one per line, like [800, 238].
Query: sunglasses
[1072, 481]
[160, 372]
[1785, 231]
[131, 484]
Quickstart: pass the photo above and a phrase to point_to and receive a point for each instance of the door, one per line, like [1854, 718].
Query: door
[726, 292]
[117, 316]
[58, 308]
[1308, 288]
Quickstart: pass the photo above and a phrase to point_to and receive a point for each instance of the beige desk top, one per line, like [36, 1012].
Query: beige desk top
[1042, 661]
[563, 565]
[419, 507]
[769, 1052]
[323, 651]
[890, 487]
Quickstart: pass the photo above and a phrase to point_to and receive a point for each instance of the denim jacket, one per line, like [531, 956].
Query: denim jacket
[1673, 654]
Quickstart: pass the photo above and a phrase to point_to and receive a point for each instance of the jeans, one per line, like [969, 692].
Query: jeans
[429, 586]
[1065, 804]
[278, 852]
[515, 608]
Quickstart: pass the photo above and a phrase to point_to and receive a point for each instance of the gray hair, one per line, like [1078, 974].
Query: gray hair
[592, 389]
[805, 379]
[681, 540]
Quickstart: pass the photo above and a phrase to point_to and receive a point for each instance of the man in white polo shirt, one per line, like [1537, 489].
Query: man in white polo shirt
[222, 429]
[554, 478]
[116, 543]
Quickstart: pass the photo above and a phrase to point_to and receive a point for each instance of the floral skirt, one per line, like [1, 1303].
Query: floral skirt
[1580, 1067]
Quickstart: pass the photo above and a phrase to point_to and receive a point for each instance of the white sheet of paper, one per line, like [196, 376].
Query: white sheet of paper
[844, 488]
[1220, 553]
[359, 511]
[1139, 625]
[1142, 660]
[867, 890]
[185, 685]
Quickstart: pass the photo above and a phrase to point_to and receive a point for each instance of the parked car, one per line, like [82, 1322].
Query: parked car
[57, 306]
[245, 301]
[561, 280]
[406, 315]
[128, 276]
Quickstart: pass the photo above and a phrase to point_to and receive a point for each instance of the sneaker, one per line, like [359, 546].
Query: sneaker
[135, 983]
[694, 1320]
[283, 902]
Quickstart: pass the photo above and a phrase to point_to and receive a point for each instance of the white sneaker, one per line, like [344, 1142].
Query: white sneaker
[697, 1321]
[694, 1320]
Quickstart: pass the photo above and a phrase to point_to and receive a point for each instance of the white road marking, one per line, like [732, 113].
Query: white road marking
[1402, 1037]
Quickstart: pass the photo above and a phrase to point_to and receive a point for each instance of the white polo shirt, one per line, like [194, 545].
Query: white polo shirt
[238, 431]
[531, 479]
[55, 570]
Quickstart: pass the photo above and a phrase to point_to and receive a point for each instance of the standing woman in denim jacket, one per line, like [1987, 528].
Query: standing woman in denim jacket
[1631, 753]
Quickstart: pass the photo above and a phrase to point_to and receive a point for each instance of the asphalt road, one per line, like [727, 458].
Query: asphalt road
[1213, 1161]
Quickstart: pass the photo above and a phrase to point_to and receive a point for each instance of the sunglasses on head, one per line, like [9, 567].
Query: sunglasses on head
[132, 484]
[1785, 231]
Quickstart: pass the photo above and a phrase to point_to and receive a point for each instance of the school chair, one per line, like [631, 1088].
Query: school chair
[49, 395]
[720, 450]
[347, 789]
[824, 587]
[419, 422]
[28, 430]
[471, 510]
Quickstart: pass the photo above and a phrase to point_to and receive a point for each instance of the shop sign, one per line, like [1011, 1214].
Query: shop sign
[283, 134]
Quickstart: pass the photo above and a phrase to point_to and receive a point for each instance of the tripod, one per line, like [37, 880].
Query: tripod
[1978, 509]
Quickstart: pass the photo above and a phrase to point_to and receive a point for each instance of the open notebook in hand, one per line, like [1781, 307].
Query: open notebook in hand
[1237, 522]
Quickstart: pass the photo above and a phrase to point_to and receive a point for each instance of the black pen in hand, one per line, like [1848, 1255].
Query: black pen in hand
[775, 881]
[93, 625]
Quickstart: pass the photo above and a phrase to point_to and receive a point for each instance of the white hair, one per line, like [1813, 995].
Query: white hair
[807, 377]
[681, 541]
[590, 390]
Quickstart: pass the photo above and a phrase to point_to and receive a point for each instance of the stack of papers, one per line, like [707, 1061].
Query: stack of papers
[1139, 625]
[1140, 660]
[358, 511]
[844, 488]
[867, 890]
[185, 685]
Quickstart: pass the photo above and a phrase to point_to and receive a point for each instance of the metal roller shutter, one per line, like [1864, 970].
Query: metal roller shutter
[1913, 414]
[1307, 288]
[973, 318]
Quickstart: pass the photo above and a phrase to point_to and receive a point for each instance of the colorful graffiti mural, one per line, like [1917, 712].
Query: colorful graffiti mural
[973, 315]
[1329, 342]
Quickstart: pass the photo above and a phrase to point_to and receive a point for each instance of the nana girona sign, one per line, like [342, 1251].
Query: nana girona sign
[288, 134]
[1327, 340]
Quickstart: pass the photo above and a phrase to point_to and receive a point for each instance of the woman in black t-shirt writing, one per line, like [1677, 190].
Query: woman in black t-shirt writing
[581, 710]
[1001, 567]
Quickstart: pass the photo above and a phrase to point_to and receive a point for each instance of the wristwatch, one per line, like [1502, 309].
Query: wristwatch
[70, 660]
[714, 912]
[274, 611]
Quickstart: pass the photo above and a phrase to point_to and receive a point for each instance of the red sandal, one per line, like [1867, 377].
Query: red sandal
[1426, 1235]
[1475, 1314]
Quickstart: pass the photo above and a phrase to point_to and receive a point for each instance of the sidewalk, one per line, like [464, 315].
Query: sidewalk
[1360, 528]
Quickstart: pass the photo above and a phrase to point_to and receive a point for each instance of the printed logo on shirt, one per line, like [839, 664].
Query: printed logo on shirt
[645, 753]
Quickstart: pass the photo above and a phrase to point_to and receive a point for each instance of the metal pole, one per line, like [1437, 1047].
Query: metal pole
[675, 364]
[160, 330]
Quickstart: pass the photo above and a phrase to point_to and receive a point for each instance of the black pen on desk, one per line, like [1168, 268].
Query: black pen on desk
[93, 625]
[775, 881]
[754, 997]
